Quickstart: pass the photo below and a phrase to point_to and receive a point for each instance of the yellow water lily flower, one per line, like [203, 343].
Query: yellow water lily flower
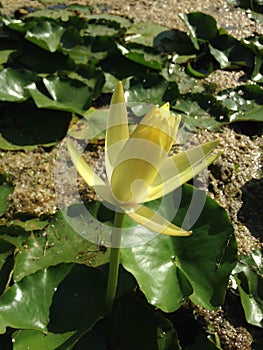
[138, 165]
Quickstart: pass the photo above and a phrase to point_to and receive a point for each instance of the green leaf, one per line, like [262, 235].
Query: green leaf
[144, 33]
[174, 40]
[202, 27]
[116, 64]
[63, 94]
[148, 88]
[26, 304]
[143, 55]
[5, 190]
[60, 243]
[170, 269]
[230, 53]
[52, 300]
[14, 83]
[78, 301]
[133, 325]
[38, 60]
[24, 126]
[245, 102]
[28, 339]
[45, 34]
[201, 110]
[92, 126]
[248, 275]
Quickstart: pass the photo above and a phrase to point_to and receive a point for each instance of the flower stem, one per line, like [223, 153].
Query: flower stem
[114, 262]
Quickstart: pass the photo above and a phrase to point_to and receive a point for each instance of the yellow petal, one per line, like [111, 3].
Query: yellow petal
[140, 158]
[180, 168]
[137, 166]
[117, 130]
[90, 177]
[155, 222]
[158, 126]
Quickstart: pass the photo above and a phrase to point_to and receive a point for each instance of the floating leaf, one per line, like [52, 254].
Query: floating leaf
[168, 270]
[202, 27]
[45, 34]
[63, 94]
[26, 304]
[230, 52]
[133, 325]
[144, 33]
[28, 339]
[244, 103]
[148, 88]
[59, 243]
[248, 275]
[143, 55]
[24, 126]
[53, 300]
[14, 83]
[201, 110]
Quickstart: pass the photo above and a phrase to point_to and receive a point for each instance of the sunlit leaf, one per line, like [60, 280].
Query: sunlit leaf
[148, 88]
[143, 55]
[63, 94]
[230, 52]
[144, 33]
[168, 270]
[53, 299]
[249, 278]
[26, 304]
[46, 34]
[244, 103]
[14, 83]
[59, 243]
[33, 339]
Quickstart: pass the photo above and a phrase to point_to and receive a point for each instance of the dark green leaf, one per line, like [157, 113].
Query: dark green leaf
[174, 41]
[249, 277]
[38, 60]
[143, 55]
[169, 269]
[230, 53]
[121, 67]
[201, 26]
[23, 126]
[78, 301]
[148, 88]
[5, 190]
[134, 325]
[201, 110]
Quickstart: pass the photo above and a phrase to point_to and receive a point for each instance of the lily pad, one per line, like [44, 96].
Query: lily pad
[59, 243]
[24, 126]
[248, 275]
[171, 269]
[46, 34]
